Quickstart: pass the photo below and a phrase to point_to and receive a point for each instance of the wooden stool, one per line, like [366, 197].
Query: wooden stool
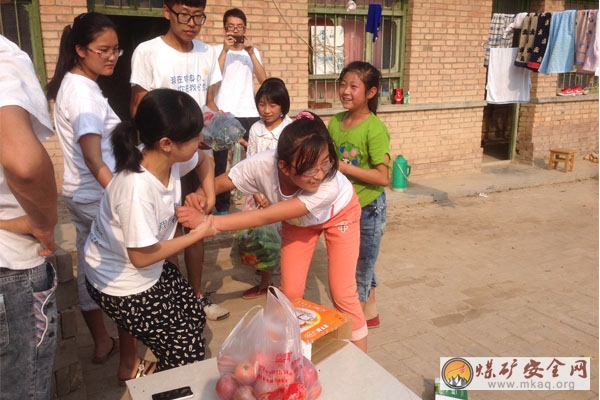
[562, 155]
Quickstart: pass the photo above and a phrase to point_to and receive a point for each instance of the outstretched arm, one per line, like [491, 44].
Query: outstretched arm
[29, 174]
[288, 209]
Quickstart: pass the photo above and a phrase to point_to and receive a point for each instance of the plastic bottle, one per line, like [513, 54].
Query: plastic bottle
[407, 97]
[398, 98]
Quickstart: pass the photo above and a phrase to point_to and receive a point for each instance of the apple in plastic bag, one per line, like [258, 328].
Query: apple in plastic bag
[308, 372]
[314, 391]
[295, 391]
[226, 363]
[245, 373]
[226, 387]
[244, 392]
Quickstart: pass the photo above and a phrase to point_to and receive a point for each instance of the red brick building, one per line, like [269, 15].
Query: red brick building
[439, 47]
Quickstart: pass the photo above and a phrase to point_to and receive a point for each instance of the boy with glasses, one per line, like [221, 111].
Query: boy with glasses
[239, 60]
[178, 61]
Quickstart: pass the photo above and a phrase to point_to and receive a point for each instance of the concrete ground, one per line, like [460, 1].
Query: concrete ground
[501, 263]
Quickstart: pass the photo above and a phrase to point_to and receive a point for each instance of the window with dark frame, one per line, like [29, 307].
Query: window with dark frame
[338, 36]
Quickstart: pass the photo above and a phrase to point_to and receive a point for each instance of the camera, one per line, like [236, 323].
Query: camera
[238, 39]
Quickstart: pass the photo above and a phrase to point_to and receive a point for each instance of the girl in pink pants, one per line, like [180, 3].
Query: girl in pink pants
[304, 190]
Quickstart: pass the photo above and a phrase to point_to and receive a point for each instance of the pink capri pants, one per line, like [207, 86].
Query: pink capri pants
[342, 239]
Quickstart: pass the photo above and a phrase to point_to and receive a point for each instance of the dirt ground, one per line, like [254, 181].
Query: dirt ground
[513, 274]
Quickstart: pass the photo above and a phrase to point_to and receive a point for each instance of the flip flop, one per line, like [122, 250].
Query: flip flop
[113, 350]
[145, 367]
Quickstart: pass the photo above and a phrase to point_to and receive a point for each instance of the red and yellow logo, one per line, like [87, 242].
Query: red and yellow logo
[457, 373]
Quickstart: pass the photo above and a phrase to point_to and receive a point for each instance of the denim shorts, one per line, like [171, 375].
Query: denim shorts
[372, 226]
[28, 329]
[82, 216]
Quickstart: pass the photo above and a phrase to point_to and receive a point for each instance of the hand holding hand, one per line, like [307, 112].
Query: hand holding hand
[196, 200]
[206, 228]
[189, 217]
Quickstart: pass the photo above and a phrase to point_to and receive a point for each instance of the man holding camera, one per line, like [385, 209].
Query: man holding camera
[240, 62]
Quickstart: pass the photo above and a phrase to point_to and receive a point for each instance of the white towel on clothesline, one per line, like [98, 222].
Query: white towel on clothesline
[505, 82]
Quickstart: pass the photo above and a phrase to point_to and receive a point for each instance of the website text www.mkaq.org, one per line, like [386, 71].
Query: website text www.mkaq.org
[532, 385]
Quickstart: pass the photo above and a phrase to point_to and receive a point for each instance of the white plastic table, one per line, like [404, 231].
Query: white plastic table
[345, 375]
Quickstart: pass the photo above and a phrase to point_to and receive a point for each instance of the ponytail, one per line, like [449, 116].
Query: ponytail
[162, 113]
[124, 141]
[81, 32]
[67, 59]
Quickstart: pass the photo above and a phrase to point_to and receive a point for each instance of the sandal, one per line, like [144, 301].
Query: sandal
[254, 292]
[145, 368]
[113, 350]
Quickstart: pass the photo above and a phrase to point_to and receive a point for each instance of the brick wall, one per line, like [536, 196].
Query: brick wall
[443, 71]
[570, 122]
[444, 55]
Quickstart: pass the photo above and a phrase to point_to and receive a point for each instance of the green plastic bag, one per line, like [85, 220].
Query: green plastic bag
[258, 248]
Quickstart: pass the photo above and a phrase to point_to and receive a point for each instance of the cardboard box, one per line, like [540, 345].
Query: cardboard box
[321, 329]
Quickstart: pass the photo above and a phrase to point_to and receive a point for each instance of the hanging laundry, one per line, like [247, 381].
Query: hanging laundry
[526, 40]
[507, 83]
[497, 36]
[560, 54]
[540, 41]
[591, 59]
[516, 24]
[585, 28]
[374, 19]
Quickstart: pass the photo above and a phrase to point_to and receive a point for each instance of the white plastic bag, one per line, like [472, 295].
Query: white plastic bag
[221, 129]
[263, 355]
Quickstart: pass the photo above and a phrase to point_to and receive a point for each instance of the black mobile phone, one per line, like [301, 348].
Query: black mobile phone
[174, 394]
[238, 39]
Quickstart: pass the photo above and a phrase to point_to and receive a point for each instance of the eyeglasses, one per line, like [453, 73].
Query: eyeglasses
[232, 27]
[309, 173]
[184, 18]
[108, 53]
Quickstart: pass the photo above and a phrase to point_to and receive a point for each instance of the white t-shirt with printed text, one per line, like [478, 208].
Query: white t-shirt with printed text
[136, 211]
[155, 64]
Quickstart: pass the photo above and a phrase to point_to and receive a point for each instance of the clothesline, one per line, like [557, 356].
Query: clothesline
[549, 42]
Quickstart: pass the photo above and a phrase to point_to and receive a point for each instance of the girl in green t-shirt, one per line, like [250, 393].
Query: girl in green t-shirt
[363, 144]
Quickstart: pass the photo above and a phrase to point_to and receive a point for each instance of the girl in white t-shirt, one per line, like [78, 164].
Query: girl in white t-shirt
[133, 232]
[83, 119]
[273, 103]
[307, 193]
